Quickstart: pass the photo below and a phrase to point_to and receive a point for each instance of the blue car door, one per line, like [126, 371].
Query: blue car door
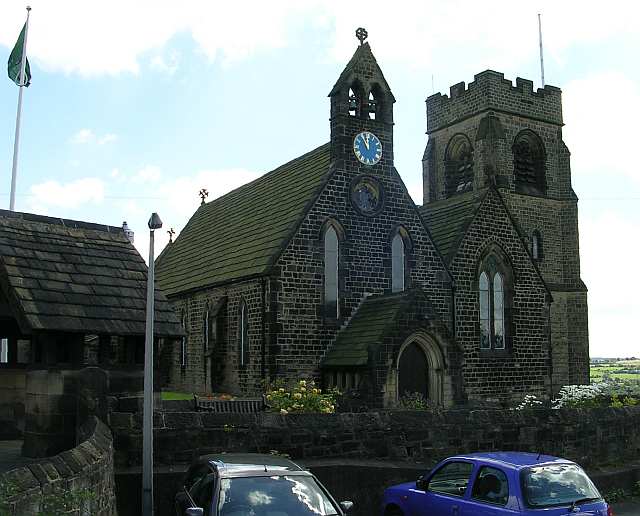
[445, 490]
[490, 495]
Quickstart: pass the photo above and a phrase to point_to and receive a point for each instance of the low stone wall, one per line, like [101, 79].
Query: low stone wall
[85, 471]
[591, 437]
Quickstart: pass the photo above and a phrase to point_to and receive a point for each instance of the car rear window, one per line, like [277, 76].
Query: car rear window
[557, 484]
[280, 495]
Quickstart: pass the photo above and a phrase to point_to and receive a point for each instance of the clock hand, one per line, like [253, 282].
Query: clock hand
[365, 139]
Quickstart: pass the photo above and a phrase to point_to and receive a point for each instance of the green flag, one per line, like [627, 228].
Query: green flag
[15, 61]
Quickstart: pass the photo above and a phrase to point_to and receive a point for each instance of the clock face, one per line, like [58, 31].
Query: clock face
[367, 148]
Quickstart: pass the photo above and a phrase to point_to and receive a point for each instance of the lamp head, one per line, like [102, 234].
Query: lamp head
[155, 222]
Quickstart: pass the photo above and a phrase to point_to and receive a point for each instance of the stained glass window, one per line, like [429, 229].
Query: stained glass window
[397, 264]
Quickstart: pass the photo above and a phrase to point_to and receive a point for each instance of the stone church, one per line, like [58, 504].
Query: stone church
[326, 268]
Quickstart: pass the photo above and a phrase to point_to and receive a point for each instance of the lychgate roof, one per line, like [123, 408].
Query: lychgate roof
[66, 275]
[242, 233]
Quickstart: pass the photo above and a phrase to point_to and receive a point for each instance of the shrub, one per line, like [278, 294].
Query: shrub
[579, 396]
[530, 401]
[300, 396]
[414, 401]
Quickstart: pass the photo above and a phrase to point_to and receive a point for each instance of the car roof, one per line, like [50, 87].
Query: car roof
[515, 460]
[244, 464]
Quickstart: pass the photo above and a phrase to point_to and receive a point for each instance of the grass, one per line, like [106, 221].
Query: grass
[614, 370]
[172, 395]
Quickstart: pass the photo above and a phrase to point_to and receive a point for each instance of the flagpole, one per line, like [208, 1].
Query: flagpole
[541, 56]
[16, 142]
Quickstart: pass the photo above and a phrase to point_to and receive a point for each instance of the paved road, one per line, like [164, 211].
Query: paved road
[627, 508]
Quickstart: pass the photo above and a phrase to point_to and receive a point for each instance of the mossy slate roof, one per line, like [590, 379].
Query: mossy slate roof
[242, 233]
[449, 219]
[366, 330]
[71, 276]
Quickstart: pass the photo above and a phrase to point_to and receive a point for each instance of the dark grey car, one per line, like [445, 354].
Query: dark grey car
[253, 485]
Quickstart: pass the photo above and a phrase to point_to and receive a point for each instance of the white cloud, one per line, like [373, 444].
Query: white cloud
[95, 37]
[609, 254]
[86, 136]
[83, 136]
[107, 138]
[168, 64]
[71, 195]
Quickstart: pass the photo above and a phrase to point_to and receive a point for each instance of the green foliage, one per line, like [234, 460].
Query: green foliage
[300, 396]
[170, 395]
[414, 401]
[615, 495]
[56, 503]
[60, 503]
[7, 491]
[636, 488]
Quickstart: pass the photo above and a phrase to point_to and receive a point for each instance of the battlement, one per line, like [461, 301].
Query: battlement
[491, 91]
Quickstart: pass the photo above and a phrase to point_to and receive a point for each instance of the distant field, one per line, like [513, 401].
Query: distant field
[624, 370]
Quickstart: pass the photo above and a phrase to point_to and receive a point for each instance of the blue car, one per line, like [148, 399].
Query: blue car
[501, 483]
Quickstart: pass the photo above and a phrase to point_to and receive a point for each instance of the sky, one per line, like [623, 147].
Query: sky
[136, 106]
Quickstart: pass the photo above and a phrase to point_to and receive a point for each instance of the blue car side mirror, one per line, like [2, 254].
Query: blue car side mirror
[422, 484]
[346, 506]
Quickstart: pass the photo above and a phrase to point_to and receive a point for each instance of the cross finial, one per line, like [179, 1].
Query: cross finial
[204, 193]
[171, 233]
[362, 34]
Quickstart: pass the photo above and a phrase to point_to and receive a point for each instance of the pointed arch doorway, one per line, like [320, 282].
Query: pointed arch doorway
[420, 368]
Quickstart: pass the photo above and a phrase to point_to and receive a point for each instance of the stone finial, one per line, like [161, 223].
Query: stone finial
[362, 34]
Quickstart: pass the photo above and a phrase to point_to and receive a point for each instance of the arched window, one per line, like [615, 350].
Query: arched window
[397, 263]
[243, 334]
[458, 165]
[498, 311]
[492, 303]
[372, 106]
[206, 329]
[536, 246]
[331, 272]
[353, 103]
[183, 341]
[485, 334]
[529, 163]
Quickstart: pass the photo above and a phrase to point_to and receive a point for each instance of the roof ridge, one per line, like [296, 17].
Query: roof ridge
[59, 221]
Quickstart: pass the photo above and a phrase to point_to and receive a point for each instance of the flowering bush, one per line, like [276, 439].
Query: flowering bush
[300, 396]
[415, 401]
[530, 401]
[579, 396]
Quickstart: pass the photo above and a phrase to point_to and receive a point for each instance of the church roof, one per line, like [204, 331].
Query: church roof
[242, 233]
[366, 330]
[448, 220]
[66, 275]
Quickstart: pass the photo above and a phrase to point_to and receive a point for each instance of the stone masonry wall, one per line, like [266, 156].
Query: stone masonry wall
[588, 436]
[87, 467]
[218, 369]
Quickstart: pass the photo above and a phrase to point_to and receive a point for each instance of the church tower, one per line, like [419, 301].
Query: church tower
[493, 133]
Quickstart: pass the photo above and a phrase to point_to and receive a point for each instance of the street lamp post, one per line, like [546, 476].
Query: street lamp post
[147, 424]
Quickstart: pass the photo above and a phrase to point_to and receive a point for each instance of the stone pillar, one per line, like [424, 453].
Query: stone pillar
[50, 412]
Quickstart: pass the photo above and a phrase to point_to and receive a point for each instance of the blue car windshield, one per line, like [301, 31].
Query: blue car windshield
[278, 495]
[557, 484]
